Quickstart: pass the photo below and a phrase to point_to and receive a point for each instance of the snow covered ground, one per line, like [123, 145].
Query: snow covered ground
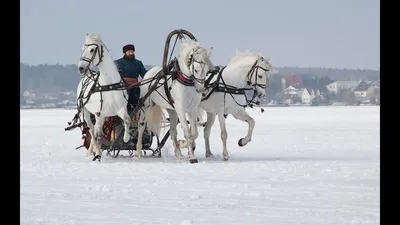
[305, 165]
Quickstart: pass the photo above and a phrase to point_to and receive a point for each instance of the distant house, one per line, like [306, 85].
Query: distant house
[304, 96]
[298, 95]
[336, 86]
[290, 91]
[367, 91]
[311, 92]
[361, 91]
[29, 94]
[289, 94]
[297, 90]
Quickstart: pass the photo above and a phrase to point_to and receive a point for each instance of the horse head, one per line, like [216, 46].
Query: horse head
[259, 74]
[197, 64]
[92, 53]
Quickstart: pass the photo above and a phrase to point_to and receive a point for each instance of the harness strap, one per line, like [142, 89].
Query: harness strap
[109, 87]
[134, 84]
[167, 91]
[166, 88]
[179, 76]
[217, 86]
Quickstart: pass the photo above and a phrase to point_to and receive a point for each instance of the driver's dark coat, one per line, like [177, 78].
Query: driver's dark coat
[130, 68]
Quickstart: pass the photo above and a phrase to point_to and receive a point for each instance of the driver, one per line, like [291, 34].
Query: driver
[130, 68]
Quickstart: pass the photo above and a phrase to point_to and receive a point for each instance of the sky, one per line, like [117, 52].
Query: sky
[306, 33]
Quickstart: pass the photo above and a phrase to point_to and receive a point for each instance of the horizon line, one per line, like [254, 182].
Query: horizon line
[300, 67]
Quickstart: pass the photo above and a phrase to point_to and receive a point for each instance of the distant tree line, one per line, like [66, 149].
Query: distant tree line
[62, 78]
[49, 78]
[334, 74]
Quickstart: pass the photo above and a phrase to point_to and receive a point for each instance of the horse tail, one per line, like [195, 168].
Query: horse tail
[155, 119]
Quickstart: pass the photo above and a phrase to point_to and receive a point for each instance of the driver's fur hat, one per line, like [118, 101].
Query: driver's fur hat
[128, 47]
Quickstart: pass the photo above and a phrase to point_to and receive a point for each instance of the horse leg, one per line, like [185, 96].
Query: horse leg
[200, 120]
[224, 135]
[89, 123]
[123, 114]
[190, 133]
[98, 136]
[243, 116]
[207, 132]
[173, 122]
[194, 133]
[141, 127]
[187, 132]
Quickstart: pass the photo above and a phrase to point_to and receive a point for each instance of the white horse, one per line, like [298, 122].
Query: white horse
[242, 70]
[192, 66]
[108, 98]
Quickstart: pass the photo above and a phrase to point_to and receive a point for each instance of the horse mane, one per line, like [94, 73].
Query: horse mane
[250, 56]
[240, 55]
[95, 39]
[187, 47]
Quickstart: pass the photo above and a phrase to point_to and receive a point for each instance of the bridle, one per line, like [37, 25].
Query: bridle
[98, 50]
[190, 79]
[254, 71]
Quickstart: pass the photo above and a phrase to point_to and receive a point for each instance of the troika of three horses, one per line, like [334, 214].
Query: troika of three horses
[184, 87]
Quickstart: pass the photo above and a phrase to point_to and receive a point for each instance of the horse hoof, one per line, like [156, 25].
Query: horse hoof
[193, 161]
[240, 142]
[97, 158]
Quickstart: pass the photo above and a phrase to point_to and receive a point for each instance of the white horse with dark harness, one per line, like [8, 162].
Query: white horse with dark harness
[226, 95]
[102, 94]
[185, 86]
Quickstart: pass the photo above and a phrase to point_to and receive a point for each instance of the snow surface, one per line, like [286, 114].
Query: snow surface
[304, 165]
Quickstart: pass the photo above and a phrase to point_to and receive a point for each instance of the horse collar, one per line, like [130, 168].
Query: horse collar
[180, 77]
[183, 79]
